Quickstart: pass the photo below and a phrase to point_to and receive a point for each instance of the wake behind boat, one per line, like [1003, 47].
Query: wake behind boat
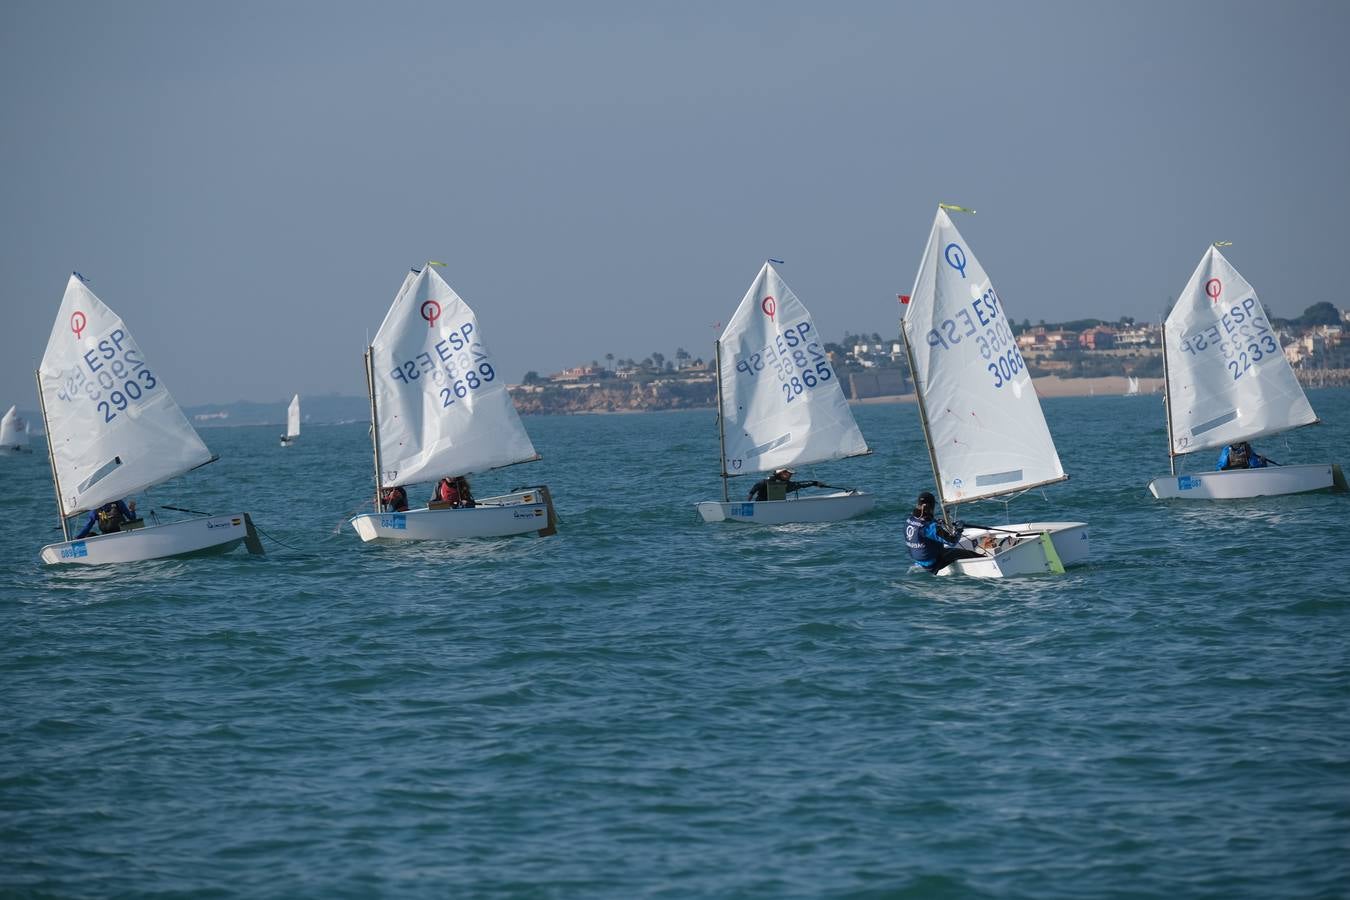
[779, 404]
[439, 407]
[1227, 381]
[981, 419]
[113, 430]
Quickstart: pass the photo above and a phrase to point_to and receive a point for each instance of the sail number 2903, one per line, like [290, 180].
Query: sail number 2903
[114, 376]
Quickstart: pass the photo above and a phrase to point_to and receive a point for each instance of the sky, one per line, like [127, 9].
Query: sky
[246, 183]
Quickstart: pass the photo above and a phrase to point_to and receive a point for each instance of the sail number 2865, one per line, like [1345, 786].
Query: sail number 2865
[795, 358]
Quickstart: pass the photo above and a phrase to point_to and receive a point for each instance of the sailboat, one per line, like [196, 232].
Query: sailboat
[981, 419]
[1133, 387]
[113, 430]
[438, 407]
[779, 404]
[1226, 380]
[13, 434]
[292, 422]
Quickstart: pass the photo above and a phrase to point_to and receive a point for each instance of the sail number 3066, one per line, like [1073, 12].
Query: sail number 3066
[984, 321]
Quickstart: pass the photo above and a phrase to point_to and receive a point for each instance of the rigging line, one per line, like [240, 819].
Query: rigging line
[275, 540]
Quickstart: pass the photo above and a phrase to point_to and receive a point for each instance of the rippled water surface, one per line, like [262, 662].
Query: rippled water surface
[645, 705]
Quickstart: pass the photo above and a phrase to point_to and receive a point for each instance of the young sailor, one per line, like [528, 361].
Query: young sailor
[932, 547]
[109, 518]
[766, 486]
[1240, 456]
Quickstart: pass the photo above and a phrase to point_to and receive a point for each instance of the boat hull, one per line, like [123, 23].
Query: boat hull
[1238, 484]
[206, 535]
[1023, 550]
[815, 508]
[504, 516]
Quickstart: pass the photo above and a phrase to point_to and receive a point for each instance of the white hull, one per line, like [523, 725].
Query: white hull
[1023, 551]
[287, 441]
[210, 534]
[503, 516]
[816, 508]
[1238, 484]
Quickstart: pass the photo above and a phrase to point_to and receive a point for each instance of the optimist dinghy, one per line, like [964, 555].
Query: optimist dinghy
[779, 404]
[981, 418]
[113, 430]
[439, 406]
[13, 434]
[1226, 380]
[292, 422]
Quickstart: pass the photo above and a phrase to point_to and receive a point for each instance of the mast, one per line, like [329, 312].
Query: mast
[374, 420]
[923, 412]
[51, 459]
[1167, 404]
[721, 424]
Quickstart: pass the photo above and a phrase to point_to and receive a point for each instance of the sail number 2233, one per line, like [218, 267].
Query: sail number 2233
[1245, 340]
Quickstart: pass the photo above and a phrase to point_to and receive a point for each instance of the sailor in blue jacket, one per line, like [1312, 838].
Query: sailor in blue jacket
[1240, 456]
[932, 547]
[109, 518]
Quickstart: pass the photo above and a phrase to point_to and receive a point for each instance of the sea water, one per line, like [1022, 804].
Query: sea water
[645, 705]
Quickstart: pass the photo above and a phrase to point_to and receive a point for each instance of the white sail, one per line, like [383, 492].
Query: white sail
[781, 398]
[986, 428]
[1227, 376]
[114, 428]
[13, 430]
[442, 405]
[1133, 386]
[293, 417]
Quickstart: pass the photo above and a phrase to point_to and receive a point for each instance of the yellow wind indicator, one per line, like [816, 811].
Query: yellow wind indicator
[1223, 243]
[954, 208]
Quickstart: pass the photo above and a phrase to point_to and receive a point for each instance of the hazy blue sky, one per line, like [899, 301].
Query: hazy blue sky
[246, 183]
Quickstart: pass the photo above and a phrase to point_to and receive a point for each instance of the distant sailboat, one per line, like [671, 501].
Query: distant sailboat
[439, 407]
[1133, 389]
[981, 418]
[780, 405]
[14, 433]
[1226, 380]
[292, 422]
[113, 430]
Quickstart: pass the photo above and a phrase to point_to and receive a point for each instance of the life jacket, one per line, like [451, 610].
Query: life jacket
[109, 518]
[447, 492]
[922, 549]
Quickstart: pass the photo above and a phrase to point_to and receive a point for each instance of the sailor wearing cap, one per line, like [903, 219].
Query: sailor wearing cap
[777, 486]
